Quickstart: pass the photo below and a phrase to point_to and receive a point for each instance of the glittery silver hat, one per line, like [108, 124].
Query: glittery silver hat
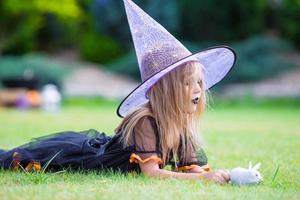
[158, 52]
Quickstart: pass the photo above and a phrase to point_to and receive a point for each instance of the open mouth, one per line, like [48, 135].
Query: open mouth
[195, 100]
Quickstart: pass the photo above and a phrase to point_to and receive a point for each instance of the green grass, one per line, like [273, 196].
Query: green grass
[234, 133]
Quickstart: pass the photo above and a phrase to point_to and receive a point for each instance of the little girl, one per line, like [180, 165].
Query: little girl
[161, 116]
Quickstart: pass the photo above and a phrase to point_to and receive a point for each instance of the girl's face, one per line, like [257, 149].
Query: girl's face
[193, 84]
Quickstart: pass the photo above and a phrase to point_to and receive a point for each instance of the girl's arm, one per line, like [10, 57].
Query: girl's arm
[197, 169]
[151, 168]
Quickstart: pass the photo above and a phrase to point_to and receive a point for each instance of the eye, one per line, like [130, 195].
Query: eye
[199, 82]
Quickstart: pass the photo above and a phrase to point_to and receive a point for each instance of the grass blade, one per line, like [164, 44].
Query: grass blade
[48, 162]
[276, 172]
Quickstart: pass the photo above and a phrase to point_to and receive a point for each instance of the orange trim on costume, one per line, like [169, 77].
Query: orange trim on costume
[136, 158]
[36, 166]
[16, 160]
[188, 167]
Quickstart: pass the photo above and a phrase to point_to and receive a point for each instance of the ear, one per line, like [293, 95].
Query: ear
[256, 167]
[250, 165]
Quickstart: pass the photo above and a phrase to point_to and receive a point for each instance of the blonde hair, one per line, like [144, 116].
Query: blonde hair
[167, 99]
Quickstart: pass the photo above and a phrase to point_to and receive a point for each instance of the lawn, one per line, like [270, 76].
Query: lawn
[233, 133]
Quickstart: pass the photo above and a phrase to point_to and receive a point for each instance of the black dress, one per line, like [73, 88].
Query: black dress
[92, 150]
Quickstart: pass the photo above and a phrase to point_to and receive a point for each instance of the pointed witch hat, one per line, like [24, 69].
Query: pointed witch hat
[158, 52]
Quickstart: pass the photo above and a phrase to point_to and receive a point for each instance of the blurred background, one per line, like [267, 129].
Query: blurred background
[56, 52]
[67, 64]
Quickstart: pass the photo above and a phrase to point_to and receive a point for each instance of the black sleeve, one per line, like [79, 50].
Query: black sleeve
[145, 139]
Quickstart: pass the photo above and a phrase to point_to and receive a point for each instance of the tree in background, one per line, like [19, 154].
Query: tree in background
[221, 20]
[37, 25]
[99, 28]
[110, 19]
[289, 20]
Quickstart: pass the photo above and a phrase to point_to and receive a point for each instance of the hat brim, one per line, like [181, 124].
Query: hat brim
[217, 62]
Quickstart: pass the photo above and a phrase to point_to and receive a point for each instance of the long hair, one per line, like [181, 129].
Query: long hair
[167, 100]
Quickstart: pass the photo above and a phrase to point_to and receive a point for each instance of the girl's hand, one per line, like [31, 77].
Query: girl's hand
[218, 176]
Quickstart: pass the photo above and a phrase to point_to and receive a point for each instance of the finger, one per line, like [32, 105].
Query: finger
[226, 175]
[220, 179]
[223, 174]
[227, 171]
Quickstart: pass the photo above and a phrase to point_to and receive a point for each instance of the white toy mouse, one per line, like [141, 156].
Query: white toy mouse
[243, 176]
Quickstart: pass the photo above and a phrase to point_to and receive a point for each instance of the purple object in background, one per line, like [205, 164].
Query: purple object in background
[22, 102]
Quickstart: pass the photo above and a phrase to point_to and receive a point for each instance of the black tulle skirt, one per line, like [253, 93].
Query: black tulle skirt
[84, 150]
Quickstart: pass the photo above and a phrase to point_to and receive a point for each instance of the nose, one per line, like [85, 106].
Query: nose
[197, 88]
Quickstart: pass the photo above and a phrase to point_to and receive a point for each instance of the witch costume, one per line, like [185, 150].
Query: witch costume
[158, 52]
